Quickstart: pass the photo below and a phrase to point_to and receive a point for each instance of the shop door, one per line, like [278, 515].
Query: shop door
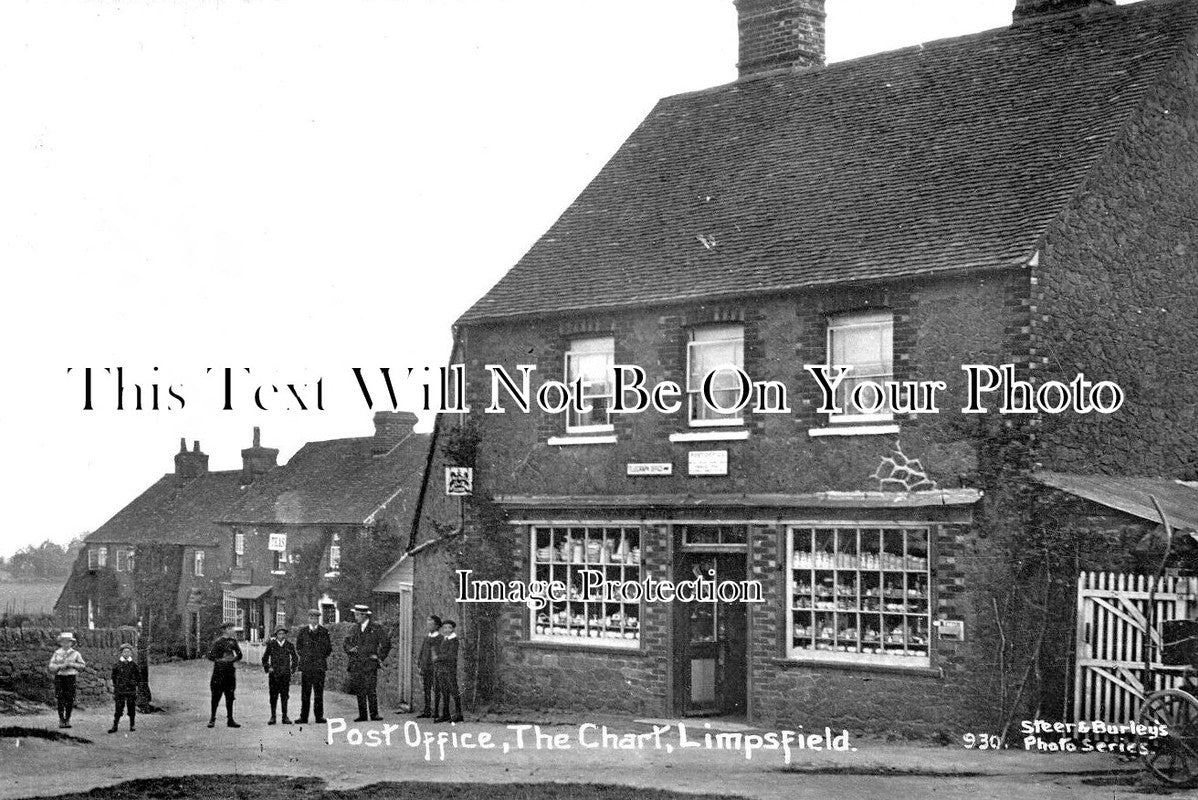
[710, 640]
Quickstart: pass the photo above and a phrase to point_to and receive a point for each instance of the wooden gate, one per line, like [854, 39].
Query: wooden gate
[1112, 613]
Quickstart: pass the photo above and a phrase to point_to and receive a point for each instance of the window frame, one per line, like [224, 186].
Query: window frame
[631, 568]
[694, 397]
[279, 562]
[574, 351]
[813, 654]
[97, 557]
[334, 554]
[239, 549]
[121, 559]
[883, 320]
[197, 563]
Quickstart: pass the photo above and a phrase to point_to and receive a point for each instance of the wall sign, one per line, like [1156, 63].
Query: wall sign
[707, 462]
[278, 541]
[951, 630]
[651, 469]
[459, 481]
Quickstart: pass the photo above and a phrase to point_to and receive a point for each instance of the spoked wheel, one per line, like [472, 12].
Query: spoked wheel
[1172, 757]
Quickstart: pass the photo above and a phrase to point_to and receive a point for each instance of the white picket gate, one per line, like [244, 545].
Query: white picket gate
[1112, 613]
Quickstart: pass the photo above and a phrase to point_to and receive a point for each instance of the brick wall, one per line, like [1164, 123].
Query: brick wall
[25, 653]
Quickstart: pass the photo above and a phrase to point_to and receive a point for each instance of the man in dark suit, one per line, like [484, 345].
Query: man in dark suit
[367, 648]
[314, 646]
[445, 670]
[424, 663]
[223, 654]
[279, 661]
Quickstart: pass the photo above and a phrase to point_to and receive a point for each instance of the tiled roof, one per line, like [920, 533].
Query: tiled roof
[336, 481]
[174, 511]
[947, 156]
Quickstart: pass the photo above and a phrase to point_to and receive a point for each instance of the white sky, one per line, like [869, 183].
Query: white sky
[300, 188]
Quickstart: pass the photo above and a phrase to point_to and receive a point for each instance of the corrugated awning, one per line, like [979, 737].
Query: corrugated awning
[251, 592]
[1130, 495]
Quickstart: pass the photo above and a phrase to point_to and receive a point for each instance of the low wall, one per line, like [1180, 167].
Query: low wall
[25, 654]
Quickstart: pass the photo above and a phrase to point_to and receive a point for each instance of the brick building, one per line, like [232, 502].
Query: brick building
[1021, 196]
[176, 516]
[284, 538]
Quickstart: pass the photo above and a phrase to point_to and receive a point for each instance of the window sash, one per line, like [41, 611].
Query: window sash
[594, 360]
[860, 593]
[711, 349]
[559, 553]
[872, 337]
[122, 560]
[97, 557]
[198, 564]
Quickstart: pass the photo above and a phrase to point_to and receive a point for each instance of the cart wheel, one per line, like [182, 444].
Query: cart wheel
[1174, 757]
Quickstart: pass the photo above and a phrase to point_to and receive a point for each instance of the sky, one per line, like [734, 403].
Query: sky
[299, 188]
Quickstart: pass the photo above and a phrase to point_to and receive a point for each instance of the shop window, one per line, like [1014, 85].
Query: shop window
[562, 554]
[859, 594]
[719, 349]
[592, 360]
[865, 343]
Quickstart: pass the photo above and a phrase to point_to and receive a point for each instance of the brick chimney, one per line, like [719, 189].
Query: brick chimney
[390, 427]
[1033, 9]
[779, 34]
[190, 465]
[257, 460]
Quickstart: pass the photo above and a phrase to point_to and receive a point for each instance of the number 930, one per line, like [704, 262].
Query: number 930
[982, 741]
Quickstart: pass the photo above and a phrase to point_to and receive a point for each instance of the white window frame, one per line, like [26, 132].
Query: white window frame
[882, 321]
[121, 559]
[97, 557]
[335, 554]
[623, 563]
[719, 335]
[279, 565]
[197, 564]
[239, 549]
[590, 346]
[280, 613]
[802, 599]
[230, 608]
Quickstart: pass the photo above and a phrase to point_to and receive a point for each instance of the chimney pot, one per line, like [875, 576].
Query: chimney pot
[190, 465]
[779, 34]
[257, 460]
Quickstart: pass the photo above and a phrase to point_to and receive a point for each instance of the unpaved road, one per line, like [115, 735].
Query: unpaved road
[178, 743]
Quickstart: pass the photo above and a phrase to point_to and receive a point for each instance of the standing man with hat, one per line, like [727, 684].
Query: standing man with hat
[64, 666]
[367, 648]
[313, 645]
[279, 660]
[224, 654]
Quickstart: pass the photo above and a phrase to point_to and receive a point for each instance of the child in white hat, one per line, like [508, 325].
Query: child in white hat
[64, 666]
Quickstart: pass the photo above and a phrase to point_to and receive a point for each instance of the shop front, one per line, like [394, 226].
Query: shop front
[736, 606]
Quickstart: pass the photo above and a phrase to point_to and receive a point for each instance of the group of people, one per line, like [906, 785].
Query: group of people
[438, 663]
[366, 649]
[67, 662]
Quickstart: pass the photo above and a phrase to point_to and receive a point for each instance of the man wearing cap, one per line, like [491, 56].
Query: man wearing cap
[313, 645]
[279, 660]
[224, 654]
[367, 648]
[126, 676]
[64, 666]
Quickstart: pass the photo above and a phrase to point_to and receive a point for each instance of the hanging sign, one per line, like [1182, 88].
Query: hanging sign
[459, 481]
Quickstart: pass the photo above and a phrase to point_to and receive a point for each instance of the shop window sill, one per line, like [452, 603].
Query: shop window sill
[855, 666]
[582, 646]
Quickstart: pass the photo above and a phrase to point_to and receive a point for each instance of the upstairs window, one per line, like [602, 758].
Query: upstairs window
[198, 564]
[97, 557]
[719, 349]
[335, 553]
[239, 549]
[865, 343]
[279, 564]
[592, 360]
[124, 560]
